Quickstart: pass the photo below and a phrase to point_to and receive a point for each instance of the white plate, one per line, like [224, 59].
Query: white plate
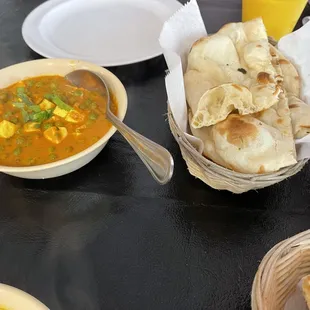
[12, 298]
[105, 32]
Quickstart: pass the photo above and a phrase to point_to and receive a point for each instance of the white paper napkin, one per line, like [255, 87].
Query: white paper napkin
[184, 28]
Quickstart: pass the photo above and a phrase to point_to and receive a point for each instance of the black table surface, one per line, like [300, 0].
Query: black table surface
[108, 237]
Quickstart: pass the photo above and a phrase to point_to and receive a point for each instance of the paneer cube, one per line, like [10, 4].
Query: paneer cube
[75, 117]
[46, 105]
[32, 127]
[56, 134]
[60, 112]
[7, 129]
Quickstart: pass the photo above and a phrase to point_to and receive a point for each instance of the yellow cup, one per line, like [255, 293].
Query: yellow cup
[280, 16]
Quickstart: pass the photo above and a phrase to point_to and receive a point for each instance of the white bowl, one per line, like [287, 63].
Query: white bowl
[15, 73]
[12, 298]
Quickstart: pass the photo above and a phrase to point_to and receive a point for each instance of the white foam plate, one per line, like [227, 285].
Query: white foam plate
[105, 32]
[12, 298]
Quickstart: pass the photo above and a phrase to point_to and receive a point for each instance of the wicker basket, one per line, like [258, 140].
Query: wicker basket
[222, 178]
[280, 271]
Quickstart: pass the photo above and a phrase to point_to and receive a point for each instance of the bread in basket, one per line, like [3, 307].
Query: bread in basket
[244, 104]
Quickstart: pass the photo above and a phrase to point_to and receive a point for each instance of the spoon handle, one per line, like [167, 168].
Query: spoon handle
[155, 157]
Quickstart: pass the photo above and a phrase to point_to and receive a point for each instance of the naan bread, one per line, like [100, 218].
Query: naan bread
[291, 83]
[218, 54]
[300, 116]
[245, 144]
[291, 79]
[218, 102]
[238, 54]
[278, 116]
[216, 48]
[251, 42]
[196, 84]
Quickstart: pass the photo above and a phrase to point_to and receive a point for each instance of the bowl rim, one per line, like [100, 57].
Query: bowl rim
[112, 79]
[22, 296]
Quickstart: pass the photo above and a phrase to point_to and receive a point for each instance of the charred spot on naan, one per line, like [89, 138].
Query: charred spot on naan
[264, 78]
[294, 106]
[237, 87]
[242, 70]
[278, 90]
[283, 62]
[261, 169]
[272, 53]
[237, 131]
[258, 114]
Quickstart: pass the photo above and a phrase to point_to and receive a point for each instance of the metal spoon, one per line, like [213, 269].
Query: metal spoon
[156, 158]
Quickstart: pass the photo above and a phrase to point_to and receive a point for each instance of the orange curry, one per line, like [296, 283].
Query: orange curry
[45, 119]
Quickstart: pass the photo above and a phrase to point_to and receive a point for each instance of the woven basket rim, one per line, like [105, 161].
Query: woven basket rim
[280, 271]
[222, 170]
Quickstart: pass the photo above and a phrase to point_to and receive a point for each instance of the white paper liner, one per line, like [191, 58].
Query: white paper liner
[184, 28]
[296, 301]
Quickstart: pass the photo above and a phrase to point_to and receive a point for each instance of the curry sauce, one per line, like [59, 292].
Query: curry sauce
[45, 119]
